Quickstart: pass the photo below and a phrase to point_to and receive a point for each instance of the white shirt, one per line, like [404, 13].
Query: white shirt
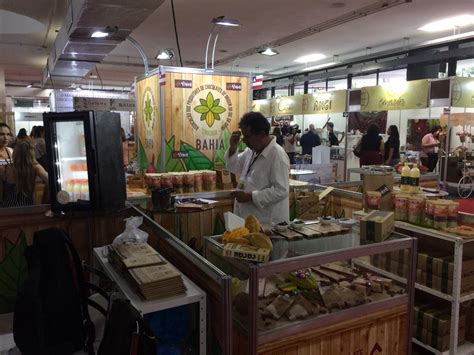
[267, 180]
[289, 147]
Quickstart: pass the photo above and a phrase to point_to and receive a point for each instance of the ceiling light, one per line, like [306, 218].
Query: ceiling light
[448, 23]
[320, 66]
[164, 54]
[269, 52]
[310, 58]
[449, 38]
[29, 85]
[222, 21]
[99, 34]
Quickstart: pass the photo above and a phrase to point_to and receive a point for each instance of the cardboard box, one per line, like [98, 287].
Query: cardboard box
[376, 226]
[358, 215]
[443, 266]
[307, 205]
[444, 285]
[246, 252]
[224, 180]
[468, 309]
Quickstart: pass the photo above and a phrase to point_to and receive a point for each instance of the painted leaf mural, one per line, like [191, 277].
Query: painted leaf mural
[13, 272]
[172, 164]
[196, 160]
[142, 159]
[219, 154]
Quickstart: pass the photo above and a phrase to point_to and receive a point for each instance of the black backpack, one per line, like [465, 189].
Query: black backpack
[51, 315]
[125, 332]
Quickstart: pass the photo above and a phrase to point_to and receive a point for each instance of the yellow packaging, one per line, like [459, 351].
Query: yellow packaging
[246, 252]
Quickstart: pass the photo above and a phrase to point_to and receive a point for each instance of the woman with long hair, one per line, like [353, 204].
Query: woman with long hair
[372, 147]
[20, 177]
[392, 146]
[6, 153]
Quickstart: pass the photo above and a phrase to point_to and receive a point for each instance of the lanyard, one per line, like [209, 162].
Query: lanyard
[251, 163]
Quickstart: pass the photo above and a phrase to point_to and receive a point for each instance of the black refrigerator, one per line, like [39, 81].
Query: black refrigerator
[85, 160]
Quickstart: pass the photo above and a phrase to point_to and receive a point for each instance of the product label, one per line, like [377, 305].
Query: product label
[414, 181]
[405, 180]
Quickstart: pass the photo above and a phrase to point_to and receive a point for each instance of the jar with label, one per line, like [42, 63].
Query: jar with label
[453, 209]
[440, 214]
[178, 183]
[188, 182]
[209, 180]
[198, 185]
[401, 207]
[373, 199]
[429, 208]
[416, 207]
[156, 180]
[167, 180]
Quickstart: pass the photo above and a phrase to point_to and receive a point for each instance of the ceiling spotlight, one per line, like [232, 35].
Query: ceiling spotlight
[29, 85]
[314, 57]
[268, 52]
[222, 21]
[104, 33]
[164, 54]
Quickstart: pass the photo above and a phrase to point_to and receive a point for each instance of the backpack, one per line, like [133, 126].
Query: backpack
[125, 332]
[51, 315]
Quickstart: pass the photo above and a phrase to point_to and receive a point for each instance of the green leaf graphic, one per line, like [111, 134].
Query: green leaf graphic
[203, 102]
[219, 155]
[196, 160]
[210, 100]
[142, 159]
[172, 165]
[218, 109]
[13, 271]
[201, 109]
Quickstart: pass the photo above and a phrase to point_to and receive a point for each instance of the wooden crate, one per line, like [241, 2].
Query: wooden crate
[358, 336]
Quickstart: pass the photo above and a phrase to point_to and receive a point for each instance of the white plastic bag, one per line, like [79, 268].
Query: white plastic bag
[132, 234]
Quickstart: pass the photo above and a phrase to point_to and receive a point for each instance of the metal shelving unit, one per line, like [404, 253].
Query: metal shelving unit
[456, 298]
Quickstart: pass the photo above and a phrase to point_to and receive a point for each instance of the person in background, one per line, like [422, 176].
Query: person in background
[263, 167]
[332, 137]
[372, 147]
[33, 132]
[429, 144]
[40, 146]
[124, 147]
[19, 179]
[392, 147]
[278, 135]
[309, 140]
[290, 138]
[22, 135]
[6, 153]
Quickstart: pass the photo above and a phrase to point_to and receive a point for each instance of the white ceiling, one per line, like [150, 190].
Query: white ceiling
[23, 56]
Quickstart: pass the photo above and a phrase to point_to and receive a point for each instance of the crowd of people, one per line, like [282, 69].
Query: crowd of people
[22, 162]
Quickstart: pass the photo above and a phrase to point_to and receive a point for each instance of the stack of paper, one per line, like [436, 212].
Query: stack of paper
[132, 255]
[158, 281]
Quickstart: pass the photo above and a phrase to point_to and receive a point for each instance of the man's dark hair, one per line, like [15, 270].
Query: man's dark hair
[330, 124]
[256, 122]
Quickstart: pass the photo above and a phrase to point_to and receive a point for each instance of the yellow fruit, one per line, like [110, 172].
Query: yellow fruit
[260, 240]
[241, 240]
[238, 232]
[252, 224]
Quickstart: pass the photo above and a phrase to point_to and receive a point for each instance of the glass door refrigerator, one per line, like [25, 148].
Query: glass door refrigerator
[85, 160]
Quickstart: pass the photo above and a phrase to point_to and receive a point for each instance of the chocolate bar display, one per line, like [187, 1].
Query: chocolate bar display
[302, 294]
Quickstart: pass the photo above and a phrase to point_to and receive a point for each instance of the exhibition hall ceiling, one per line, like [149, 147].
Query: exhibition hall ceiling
[338, 29]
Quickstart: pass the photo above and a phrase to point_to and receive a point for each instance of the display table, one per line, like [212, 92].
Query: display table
[193, 295]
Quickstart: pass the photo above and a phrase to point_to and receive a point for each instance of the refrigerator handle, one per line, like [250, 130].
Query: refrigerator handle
[93, 161]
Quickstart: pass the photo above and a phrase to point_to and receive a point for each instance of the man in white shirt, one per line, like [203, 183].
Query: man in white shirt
[263, 167]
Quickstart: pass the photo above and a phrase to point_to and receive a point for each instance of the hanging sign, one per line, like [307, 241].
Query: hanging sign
[286, 105]
[462, 92]
[324, 102]
[262, 106]
[398, 96]
[101, 104]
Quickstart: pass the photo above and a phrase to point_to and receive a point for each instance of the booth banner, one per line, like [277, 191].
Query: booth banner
[324, 102]
[286, 105]
[103, 104]
[262, 106]
[399, 96]
[200, 112]
[148, 122]
[462, 92]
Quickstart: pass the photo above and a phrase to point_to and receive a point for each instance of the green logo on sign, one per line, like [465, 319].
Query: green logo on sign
[210, 109]
[148, 109]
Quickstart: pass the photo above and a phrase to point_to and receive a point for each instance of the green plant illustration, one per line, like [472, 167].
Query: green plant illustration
[219, 154]
[172, 165]
[210, 109]
[195, 160]
[148, 110]
[142, 159]
[13, 272]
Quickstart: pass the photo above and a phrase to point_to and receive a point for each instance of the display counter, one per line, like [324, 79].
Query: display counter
[429, 180]
[319, 295]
